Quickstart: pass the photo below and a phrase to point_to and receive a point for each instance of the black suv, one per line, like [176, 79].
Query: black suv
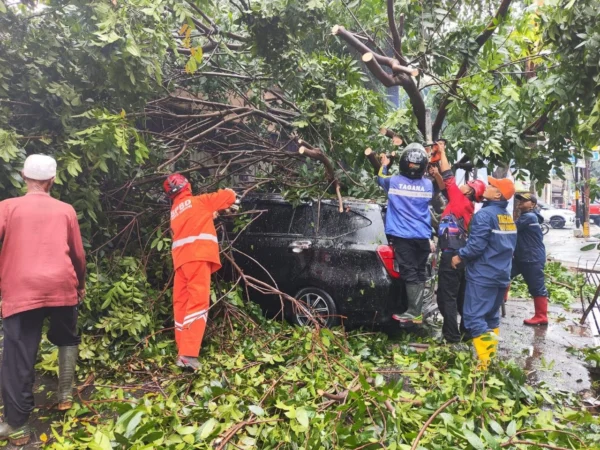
[339, 264]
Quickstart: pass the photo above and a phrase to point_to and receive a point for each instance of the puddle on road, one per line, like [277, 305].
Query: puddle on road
[579, 330]
[543, 352]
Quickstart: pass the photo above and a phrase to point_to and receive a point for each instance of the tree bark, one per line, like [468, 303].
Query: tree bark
[396, 34]
[386, 79]
[396, 139]
[370, 154]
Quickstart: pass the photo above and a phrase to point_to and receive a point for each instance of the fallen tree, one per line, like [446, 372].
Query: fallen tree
[254, 96]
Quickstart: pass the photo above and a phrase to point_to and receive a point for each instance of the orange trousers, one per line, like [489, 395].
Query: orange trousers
[191, 299]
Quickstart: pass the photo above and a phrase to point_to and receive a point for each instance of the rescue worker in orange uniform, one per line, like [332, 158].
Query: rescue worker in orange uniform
[195, 258]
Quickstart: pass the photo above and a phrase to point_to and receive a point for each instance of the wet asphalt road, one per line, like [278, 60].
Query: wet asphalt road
[543, 351]
[561, 245]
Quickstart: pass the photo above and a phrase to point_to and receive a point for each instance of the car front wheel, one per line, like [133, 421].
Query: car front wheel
[315, 305]
[557, 222]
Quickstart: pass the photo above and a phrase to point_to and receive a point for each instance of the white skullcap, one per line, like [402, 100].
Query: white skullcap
[39, 167]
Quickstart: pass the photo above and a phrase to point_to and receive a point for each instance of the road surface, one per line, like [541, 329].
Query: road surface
[561, 245]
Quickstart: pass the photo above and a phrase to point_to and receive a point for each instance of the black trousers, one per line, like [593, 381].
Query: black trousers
[411, 256]
[451, 297]
[22, 336]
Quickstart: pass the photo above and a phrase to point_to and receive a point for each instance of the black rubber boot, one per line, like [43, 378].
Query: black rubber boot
[67, 361]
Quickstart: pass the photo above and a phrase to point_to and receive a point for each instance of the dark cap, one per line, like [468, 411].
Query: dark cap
[527, 197]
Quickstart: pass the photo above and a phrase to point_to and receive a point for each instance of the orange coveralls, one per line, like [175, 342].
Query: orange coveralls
[195, 258]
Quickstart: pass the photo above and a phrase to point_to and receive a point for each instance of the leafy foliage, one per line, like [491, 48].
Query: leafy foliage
[563, 285]
[257, 391]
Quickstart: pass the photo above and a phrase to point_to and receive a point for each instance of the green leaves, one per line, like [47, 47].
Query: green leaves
[474, 440]
[207, 429]
[132, 47]
[511, 430]
[562, 284]
[302, 417]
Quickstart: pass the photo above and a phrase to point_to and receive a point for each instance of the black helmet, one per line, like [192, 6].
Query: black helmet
[413, 161]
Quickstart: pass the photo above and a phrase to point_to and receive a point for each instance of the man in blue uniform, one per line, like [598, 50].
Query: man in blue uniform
[530, 257]
[408, 223]
[488, 256]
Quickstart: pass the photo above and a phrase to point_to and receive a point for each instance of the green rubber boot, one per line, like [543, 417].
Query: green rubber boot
[414, 313]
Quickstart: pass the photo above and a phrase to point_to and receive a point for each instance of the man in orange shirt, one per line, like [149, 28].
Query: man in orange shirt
[195, 258]
[42, 274]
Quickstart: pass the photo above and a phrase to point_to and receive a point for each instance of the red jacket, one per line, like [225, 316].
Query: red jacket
[194, 234]
[458, 205]
[42, 262]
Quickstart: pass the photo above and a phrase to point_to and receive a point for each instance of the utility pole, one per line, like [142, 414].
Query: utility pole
[577, 217]
[586, 198]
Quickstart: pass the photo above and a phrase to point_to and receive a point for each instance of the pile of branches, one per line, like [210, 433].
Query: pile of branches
[266, 384]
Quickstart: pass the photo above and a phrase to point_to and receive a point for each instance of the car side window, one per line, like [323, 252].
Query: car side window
[333, 223]
[303, 221]
[275, 220]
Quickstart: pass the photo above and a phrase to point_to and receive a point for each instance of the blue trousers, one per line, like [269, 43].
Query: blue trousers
[481, 311]
[533, 274]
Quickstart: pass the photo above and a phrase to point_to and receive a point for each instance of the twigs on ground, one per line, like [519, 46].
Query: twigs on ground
[431, 419]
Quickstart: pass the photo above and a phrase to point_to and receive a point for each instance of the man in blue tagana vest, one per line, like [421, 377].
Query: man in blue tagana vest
[408, 224]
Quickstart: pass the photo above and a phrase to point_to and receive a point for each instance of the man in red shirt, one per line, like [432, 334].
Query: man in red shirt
[195, 258]
[453, 231]
[42, 274]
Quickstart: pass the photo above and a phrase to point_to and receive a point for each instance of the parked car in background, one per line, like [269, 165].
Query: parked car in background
[594, 212]
[557, 218]
[340, 265]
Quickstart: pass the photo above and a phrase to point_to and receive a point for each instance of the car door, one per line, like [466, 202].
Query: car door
[277, 248]
[343, 259]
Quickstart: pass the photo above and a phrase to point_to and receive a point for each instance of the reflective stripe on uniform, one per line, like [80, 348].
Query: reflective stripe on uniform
[191, 318]
[194, 316]
[191, 239]
[408, 193]
[504, 232]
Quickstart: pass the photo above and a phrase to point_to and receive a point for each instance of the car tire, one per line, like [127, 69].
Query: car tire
[323, 306]
[557, 222]
[596, 220]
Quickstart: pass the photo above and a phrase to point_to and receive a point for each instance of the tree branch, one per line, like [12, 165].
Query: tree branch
[370, 154]
[371, 62]
[396, 36]
[433, 416]
[392, 63]
[318, 155]
[369, 38]
[416, 100]
[396, 139]
[480, 40]
[538, 125]
[400, 79]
